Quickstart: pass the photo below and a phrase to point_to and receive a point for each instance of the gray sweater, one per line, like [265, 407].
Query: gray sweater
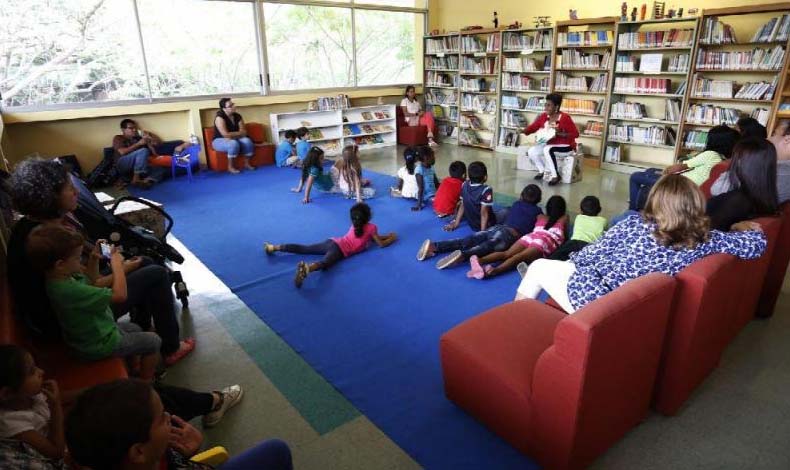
[723, 185]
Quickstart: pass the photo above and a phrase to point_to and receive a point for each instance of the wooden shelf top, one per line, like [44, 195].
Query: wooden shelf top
[580, 69]
[600, 46]
[581, 92]
[737, 71]
[639, 144]
[512, 90]
[525, 30]
[730, 100]
[746, 10]
[444, 35]
[656, 48]
[480, 31]
[655, 21]
[646, 121]
[588, 21]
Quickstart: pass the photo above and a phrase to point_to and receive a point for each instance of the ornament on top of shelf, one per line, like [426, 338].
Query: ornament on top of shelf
[658, 10]
[573, 15]
[671, 12]
[471, 28]
[643, 12]
[514, 25]
[693, 11]
[435, 32]
[633, 14]
[495, 21]
[680, 12]
[541, 21]
[624, 12]
[312, 106]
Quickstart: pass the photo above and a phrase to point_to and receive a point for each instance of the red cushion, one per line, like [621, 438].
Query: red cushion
[777, 267]
[256, 132]
[163, 161]
[409, 135]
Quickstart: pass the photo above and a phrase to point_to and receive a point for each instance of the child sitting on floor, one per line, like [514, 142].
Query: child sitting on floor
[30, 411]
[347, 173]
[302, 145]
[427, 182]
[337, 248]
[313, 174]
[477, 201]
[285, 155]
[449, 191]
[549, 233]
[587, 228]
[407, 181]
[83, 310]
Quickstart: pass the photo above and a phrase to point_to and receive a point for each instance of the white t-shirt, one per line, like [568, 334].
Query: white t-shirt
[410, 188]
[13, 422]
[412, 107]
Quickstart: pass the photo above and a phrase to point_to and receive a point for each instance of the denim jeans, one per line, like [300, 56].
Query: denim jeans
[273, 454]
[496, 238]
[134, 162]
[234, 147]
[640, 183]
[136, 342]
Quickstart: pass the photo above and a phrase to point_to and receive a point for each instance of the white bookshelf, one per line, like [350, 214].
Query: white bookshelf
[440, 83]
[341, 127]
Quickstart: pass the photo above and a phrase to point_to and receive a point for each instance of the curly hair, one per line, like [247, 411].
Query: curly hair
[36, 185]
[677, 206]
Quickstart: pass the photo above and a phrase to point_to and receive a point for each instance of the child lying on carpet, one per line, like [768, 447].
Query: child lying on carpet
[337, 248]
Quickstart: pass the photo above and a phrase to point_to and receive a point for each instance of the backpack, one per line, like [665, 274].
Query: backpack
[105, 174]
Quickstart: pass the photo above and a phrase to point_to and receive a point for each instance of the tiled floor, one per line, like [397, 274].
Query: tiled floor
[739, 418]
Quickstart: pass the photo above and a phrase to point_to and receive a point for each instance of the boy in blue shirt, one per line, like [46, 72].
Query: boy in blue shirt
[285, 155]
[302, 145]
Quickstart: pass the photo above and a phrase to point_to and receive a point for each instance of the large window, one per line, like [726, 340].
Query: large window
[55, 52]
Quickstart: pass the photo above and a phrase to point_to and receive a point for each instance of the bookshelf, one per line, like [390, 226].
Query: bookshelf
[441, 83]
[581, 71]
[651, 73]
[739, 69]
[479, 87]
[525, 78]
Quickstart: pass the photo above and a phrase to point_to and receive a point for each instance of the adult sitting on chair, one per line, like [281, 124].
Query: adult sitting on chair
[132, 149]
[415, 116]
[231, 136]
[544, 155]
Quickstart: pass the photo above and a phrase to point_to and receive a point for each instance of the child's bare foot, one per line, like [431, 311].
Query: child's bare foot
[184, 348]
[301, 274]
[426, 250]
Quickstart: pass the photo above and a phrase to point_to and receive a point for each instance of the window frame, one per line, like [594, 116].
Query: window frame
[265, 88]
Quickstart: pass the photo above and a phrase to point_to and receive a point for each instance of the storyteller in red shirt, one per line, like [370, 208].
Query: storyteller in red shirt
[544, 155]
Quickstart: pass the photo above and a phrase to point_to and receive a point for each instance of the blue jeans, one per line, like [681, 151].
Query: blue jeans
[136, 342]
[639, 186]
[134, 162]
[233, 147]
[273, 454]
[496, 238]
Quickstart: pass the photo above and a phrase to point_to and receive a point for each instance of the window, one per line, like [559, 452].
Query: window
[195, 47]
[69, 51]
[395, 3]
[389, 47]
[308, 46]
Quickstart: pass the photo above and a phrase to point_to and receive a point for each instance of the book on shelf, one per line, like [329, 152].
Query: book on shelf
[672, 110]
[368, 140]
[478, 103]
[775, 29]
[439, 79]
[582, 106]
[469, 137]
[508, 137]
[480, 43]
[695, 140]
[446, 130]
[383, 128]
[330, 146]
[441, 63]
[716, 32]
[440, 98]
[471, 121]
[519, 41]
[315, 133]
[656, 39]
[330, 103]
[612, 154]
[525, 64]
[585, 38]
[678, 63]
[651, 63]
[381, 115]
[632, 63]
[367, 129]
[479, 65]
[761, 115]
[446, 44]
[709, 114]
[628, 110]
[642, 85]
[626, 63]
[568, 83]
[652, 135]
[478, 84]
[351, 129]
[513, 119]
[593, 128]
[755, 59]
[707, 88]
[521, 82]
[575, 59]
[367, 115]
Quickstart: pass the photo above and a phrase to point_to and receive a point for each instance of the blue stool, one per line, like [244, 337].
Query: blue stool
[188, 158]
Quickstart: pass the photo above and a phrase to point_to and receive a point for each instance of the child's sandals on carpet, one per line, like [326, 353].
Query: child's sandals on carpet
[301, 273]
[184, 348]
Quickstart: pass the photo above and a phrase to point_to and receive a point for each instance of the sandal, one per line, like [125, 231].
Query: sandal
[301, 274]
[186, 347]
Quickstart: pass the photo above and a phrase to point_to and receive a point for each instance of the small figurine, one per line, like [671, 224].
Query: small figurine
[624, 12]
[671, 12]
[680, 12]
[573, 15]
[633, 14]
[693, 11]
[517, 25]
[496, 21]
[643, 12]
[658, 10]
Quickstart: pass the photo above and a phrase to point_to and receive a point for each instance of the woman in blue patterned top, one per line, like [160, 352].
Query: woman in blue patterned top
[671, 233]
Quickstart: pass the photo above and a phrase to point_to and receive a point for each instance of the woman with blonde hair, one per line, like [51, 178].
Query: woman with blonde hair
[671, 233]
[347, 175]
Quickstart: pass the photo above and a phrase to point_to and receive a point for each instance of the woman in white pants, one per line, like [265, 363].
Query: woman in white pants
[544, 155]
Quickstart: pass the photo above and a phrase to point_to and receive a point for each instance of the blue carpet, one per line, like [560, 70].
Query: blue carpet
[370, 325]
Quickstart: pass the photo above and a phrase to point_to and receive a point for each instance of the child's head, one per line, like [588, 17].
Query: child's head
[43, 189]
[314, 158]
[555, 209]
[301, 133]
[19, 376]
[751, 127]
[458, 170]
[290, 135]
[590, 205]
[478, 173]
[677, 206]
[360, 216]
[118, 424]
[426, 156]
[722, 139]
[55, 249]
[411, 155]
[349, 165]
[531, 194]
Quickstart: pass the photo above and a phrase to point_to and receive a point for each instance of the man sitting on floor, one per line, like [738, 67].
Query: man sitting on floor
[132, 149]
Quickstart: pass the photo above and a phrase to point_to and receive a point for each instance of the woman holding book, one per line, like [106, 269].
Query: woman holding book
[415, 116]
[563, 141]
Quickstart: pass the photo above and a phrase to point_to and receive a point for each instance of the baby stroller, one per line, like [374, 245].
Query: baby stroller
[101, 223]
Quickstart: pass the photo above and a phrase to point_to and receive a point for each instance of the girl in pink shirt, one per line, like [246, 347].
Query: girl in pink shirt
[337, 248]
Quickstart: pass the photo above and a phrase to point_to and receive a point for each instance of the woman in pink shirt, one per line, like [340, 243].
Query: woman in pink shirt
[337, 248]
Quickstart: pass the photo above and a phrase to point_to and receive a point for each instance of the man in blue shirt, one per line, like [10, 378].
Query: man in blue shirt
[285, 155]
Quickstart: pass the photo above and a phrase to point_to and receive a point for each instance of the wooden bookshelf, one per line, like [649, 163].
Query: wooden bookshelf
[648, 54]
[742, 21]
[479, 48]
[442, 97]
[592, 144]
[530, 48]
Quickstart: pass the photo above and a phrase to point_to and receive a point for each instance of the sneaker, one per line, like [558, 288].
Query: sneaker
[268, 248]
[426, 250]
[554, 181]
[186, 347]
[522, 269]
[432, 143]
[539, 176]
[450, 260]
[229, 397]
[301, 274]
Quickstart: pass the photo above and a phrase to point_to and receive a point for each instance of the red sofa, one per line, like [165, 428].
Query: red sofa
[561, 388]
[715, 172]
[409, 135]
[264, 152]
[777, 268]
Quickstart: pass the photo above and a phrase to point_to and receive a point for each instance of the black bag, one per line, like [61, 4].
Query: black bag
[71, 163]
[105, 174]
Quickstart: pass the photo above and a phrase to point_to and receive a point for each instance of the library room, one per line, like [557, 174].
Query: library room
[394, 234]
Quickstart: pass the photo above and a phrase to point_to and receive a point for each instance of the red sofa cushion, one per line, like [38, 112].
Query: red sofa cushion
[409, 135]
[777, 267]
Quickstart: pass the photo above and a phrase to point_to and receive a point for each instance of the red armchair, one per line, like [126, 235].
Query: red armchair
[561, 388]
[777, 268]
[409, 135]
[264, 152]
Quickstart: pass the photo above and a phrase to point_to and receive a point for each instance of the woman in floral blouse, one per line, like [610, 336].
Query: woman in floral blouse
[671, 233]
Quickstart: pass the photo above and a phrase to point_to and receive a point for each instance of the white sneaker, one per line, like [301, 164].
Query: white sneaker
[522, 269]
[450, 260]
[230, 397]
[423, 254]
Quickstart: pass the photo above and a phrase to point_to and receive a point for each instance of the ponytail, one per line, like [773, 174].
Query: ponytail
[360, 216]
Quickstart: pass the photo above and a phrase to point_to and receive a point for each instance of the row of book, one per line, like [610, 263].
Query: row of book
[478, 103]
[581, 106]
[440, 79]
[482, 65]
[612, 154]
[757, 90]
[653, 135]
[629, 110]
[712, 115]
[533, 103]
[651, 63]
[471, 121]
[717, 32]
[642, 85]
[481, 43]
[695, 140]
[446, 131]
[707, 88]
[446, 44]
[656, 39]
[470, 137]
[513, 119]
[329, 103]
[368, 140]
[574, 59]
[355, 129]
[434, 97]
[371, 115]
[776, 29]
[761, 115]
[525, 64]
[594, 128]
[679, 63]
[585, 38]
[672, 110]
[508, 137]
[594, 85]
[519, 82]
[478, 84]
[756, 59]
[524, 41]
[448, 113]
[441, 63]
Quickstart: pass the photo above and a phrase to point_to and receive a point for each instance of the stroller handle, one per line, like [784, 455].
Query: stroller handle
[149, 204]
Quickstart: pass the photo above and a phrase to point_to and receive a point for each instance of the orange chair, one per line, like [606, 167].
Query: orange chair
[264, 152]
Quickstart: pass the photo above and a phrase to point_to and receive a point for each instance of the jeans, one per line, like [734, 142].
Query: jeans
[544, 157]
[551, 276]
[496, 238]
[329, 249]
[639, 186]
[134, 162]
[135, 342]
[184, 403]
[273, 454]
[233, 147]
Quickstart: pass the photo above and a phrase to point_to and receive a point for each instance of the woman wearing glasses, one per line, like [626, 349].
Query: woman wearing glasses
[230, 136]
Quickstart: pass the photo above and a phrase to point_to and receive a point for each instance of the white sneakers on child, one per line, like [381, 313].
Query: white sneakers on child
[229, 397]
